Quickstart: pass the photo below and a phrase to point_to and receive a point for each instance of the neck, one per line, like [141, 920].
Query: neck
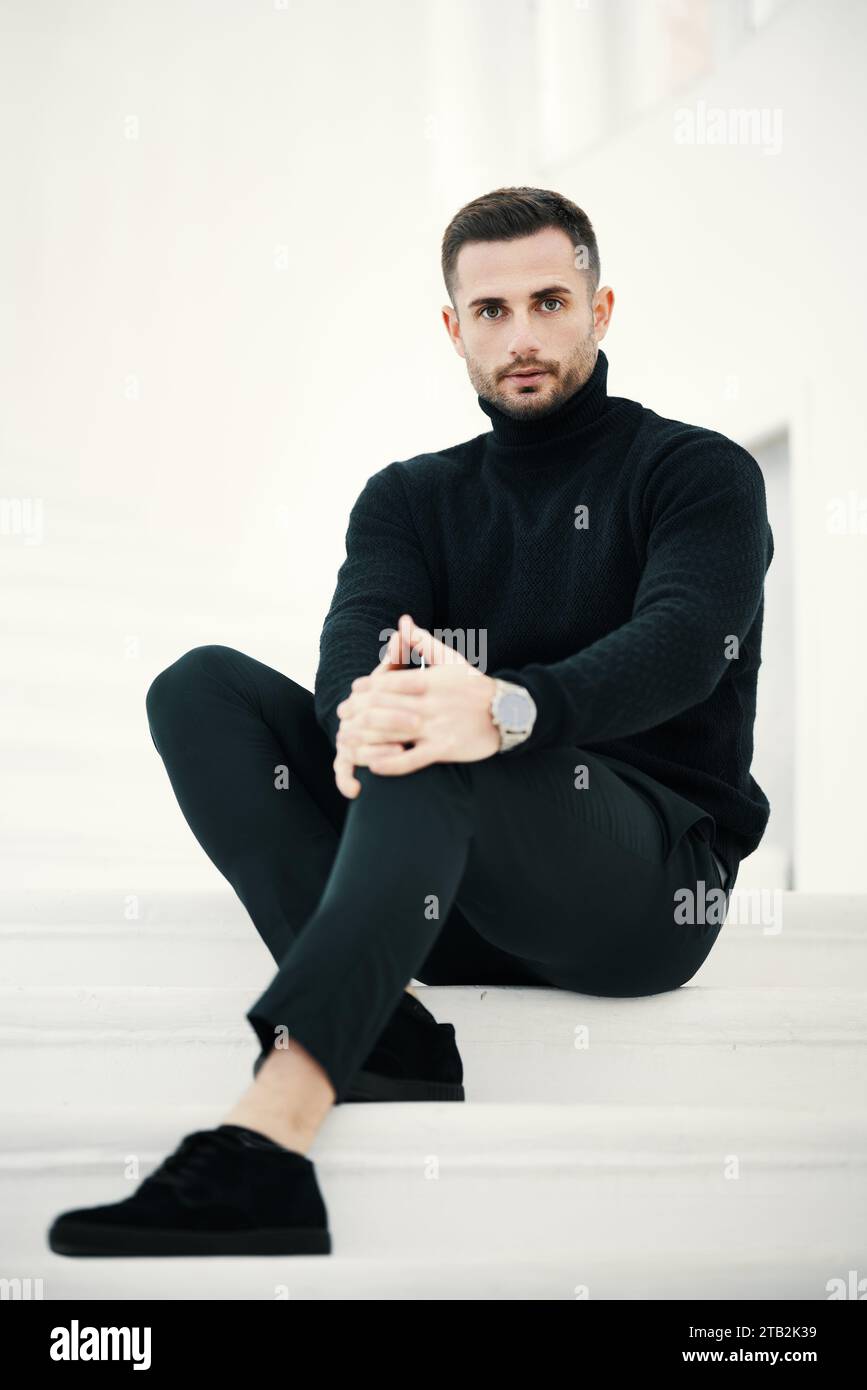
[554, 436]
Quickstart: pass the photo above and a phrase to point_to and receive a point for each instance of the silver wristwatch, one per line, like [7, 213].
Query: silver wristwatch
[513, 710]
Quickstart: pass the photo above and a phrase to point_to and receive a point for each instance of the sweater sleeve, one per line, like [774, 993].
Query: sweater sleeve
[383, 575]
[708, 545]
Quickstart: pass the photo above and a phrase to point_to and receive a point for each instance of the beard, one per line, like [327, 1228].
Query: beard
[564, 379]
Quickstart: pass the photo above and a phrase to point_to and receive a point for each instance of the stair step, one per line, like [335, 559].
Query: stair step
[208, 939]
[814, 916]
[690, 1016]
[119, 651]
[351, 1273]
[69, 1046]
[527, 1200]
[498, 1136]
[134, 953]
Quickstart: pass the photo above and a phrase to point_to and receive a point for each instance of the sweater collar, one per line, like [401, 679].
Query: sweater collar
[551, 437]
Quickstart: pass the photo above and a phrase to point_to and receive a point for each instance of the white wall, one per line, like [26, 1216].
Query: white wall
[221, 289]
[743, 272]
[220, 276]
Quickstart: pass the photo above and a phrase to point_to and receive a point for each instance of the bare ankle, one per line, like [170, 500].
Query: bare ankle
[282, 1128]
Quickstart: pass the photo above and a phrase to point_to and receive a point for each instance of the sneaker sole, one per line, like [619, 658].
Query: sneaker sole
[83, 1239]
[369, 1086]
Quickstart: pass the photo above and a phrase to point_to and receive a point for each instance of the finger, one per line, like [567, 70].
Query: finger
[435, 652]
[347, 784]
[410, 682]
[355, 746]
[364, 754]
[405, 627]
[389, 656]
[352, 737]
[384, 724]
[397, 647]
[349, 703]
[378, 697]
[422, 755]
[365, 739]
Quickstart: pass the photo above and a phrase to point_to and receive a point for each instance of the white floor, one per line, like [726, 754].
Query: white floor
[707, 1143]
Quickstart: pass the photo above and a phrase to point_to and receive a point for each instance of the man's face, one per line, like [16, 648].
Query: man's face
[525, 323]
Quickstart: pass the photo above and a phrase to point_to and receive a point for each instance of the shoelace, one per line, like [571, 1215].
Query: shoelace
[189, 1159]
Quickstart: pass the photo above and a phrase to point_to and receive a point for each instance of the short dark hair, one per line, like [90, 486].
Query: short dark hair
[509, 213]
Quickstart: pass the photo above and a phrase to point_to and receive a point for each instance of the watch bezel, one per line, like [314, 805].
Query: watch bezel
[511, 735]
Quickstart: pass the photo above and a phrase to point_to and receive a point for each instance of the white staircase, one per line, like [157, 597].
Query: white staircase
[706, 1143]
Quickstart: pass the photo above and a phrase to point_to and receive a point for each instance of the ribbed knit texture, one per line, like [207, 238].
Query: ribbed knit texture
[637, 631]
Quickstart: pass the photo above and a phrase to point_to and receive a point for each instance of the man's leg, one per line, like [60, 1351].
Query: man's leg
[228, 727]
[394, 879]
[578, 884]
[223, 723]
[252, 773]
[582, 885]
[591, 885]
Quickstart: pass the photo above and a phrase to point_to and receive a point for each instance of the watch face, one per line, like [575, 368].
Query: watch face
[513, 711]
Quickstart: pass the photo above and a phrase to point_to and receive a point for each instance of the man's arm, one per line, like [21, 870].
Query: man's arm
[383, 575]
[708, 549]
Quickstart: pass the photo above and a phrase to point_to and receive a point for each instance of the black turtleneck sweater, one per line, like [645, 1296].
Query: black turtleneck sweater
[637, 631]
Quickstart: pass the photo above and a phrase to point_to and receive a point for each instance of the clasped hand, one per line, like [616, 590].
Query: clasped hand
[441, 709]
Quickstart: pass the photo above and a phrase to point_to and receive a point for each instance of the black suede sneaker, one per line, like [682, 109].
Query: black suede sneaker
[414, 1058]
[224, 1191]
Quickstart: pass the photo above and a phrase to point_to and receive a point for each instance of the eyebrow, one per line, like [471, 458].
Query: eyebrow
[537, 294]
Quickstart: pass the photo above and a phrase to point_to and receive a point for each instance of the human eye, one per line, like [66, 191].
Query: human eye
[483, 311]
[552, 300]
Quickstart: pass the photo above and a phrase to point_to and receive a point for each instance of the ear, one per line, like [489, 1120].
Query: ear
[603, 307]
[453, 328]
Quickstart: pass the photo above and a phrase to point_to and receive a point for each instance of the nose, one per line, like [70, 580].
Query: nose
[524, 343]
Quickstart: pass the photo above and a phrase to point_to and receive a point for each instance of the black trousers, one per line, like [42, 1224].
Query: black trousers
[505, 871]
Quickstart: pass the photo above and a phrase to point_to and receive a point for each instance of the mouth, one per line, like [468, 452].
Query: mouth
[526, 378]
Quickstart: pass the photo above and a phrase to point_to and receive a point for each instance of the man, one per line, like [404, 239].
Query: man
[548, 821]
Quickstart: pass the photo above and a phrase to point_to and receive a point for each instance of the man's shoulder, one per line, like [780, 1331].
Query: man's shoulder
[436, 466]
[663, 440]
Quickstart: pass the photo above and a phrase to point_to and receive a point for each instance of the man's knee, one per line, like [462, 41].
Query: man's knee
[455, 776]
[175, 682]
